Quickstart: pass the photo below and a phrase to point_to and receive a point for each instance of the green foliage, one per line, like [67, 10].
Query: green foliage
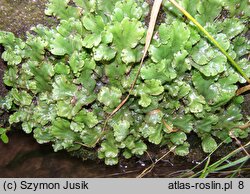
[66, 80]
[182, 150]
[110, 97]
[208, 144]
[3, 135]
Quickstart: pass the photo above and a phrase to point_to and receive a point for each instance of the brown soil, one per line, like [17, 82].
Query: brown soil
[23, 157]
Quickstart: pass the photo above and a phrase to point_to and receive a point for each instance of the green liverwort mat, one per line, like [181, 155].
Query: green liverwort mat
[65, 81]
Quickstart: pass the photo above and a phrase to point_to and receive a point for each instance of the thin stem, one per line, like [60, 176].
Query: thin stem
[151, 167]
[210, 37]
[150, 31]
[243, 90]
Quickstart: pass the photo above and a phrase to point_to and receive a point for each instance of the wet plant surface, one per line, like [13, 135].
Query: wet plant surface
[23, 157]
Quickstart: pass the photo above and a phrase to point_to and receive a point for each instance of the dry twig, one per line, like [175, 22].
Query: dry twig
[150, 168]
